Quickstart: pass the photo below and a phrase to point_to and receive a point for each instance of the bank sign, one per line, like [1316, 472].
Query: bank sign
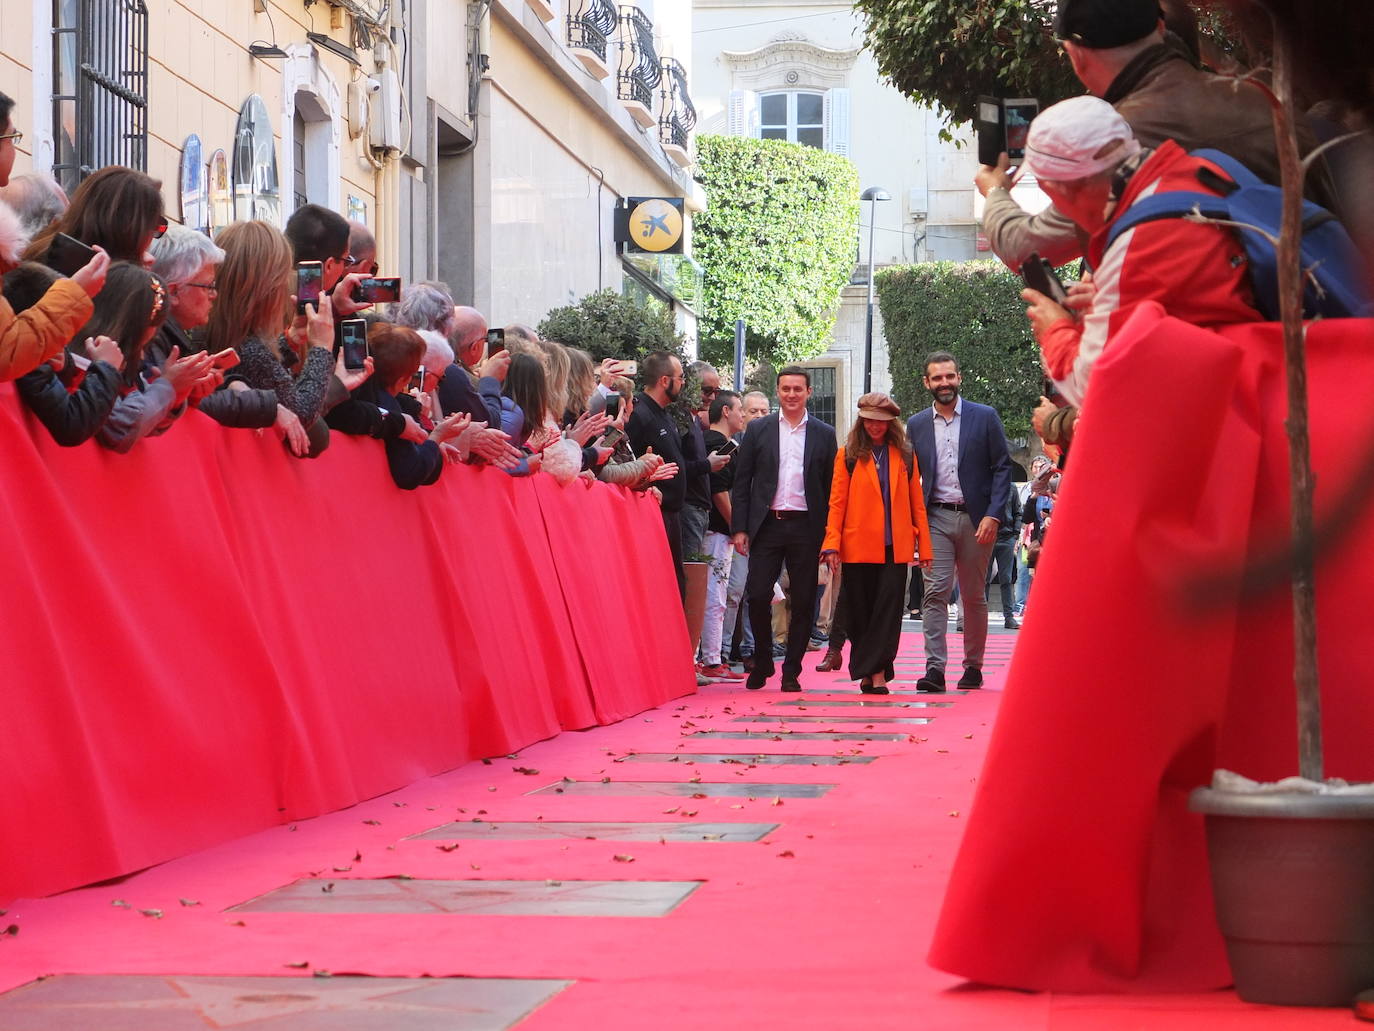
[651, 225]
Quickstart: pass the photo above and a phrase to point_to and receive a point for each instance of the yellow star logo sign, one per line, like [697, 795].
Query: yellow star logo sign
[655, 225]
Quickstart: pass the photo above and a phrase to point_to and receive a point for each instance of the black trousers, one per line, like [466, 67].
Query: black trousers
[780, 541]
[873, 596]
[673, 529]
[918, 589]
[839, 627]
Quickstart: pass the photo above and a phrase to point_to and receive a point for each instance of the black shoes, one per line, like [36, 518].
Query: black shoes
[867, 687]
[933, 682]
[756, 681]
[1011, 623]
[972, 679]
[791, 685]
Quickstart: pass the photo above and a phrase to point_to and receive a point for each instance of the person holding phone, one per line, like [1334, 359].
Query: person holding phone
[253, 286]
[877, 528]
[727, 419]
[115, 208]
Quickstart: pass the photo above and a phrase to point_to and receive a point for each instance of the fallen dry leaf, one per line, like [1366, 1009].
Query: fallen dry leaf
[189, 902]
[525, 770]
[342, 869]
[623, 859]
[11, 930]
[789, 854]
[373, 823]
[448, 848]
[320, 973]
[954, 812]
[327, 888]
[776, 801]
[121, 904]
[298, 966]
[156, 914]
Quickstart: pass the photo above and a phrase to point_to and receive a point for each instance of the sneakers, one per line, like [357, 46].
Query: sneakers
[933, 682]
[972, 679]
[719, 671]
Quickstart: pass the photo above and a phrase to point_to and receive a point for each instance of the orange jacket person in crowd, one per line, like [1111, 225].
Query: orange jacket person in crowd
[877, 528]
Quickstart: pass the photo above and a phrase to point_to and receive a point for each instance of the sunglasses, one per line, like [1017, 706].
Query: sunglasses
[160, 228]
[352, 262]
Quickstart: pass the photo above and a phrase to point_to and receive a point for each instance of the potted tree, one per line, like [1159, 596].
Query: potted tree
[1292, 863]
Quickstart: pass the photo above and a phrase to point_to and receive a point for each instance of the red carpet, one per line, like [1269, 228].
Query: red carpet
[823, 924]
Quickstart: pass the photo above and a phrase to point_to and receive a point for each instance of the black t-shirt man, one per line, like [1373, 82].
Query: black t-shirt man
[721, 482]
[652, 427]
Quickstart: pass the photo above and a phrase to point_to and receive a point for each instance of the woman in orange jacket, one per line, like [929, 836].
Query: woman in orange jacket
[878, 529]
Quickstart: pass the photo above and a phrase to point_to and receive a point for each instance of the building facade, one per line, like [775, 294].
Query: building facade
[797, 71]
[486, 143]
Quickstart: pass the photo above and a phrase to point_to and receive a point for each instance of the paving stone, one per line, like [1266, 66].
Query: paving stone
[735, 759]
[506, 898]
[174, 1003]
[531, 831]
[819, 735]
[679, 789]
[814, 703]
[789, 718]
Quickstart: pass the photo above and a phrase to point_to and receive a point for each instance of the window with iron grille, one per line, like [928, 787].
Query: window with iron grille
[590, 25]
[823, 396]
[639, 68]
[100, 87]
[678, 116]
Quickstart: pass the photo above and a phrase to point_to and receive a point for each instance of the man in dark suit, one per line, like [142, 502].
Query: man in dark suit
[779, 504]
[961, 450]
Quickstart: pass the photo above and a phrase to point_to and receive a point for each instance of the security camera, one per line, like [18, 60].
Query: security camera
[372, 86]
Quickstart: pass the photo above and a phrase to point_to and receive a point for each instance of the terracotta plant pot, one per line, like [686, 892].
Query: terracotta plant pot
[1293, 878]
[696, 600]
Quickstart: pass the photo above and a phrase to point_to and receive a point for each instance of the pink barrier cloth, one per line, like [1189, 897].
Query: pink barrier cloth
[206, 637]
[1081, 869]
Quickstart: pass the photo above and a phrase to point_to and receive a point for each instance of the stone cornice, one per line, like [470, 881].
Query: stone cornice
[789, 60]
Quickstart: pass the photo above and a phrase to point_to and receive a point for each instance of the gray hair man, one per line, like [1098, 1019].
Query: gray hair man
[36, 198]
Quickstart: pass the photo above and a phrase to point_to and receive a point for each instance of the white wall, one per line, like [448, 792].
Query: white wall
[894, 142]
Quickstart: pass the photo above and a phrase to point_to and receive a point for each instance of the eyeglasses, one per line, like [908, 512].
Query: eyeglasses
[16, 135]
[160, 228]
[709, 391]
[214, 289]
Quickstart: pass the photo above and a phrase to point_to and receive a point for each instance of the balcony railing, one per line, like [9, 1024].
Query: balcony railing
[639, 69]
[590, 25]
[678, 117]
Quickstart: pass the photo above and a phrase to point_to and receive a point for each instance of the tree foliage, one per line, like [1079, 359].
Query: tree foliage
[777, 245]
[609, 325]
[947, 52]
[973, 310]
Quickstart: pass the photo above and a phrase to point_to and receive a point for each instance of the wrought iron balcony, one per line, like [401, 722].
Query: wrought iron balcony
[590, 25]
[677, 117]
[639, 69]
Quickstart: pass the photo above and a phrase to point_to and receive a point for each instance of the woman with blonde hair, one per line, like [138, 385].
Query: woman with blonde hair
[558, 373]
[250, 314]
[877, 528]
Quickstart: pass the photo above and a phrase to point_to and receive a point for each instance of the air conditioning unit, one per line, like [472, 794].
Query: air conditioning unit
[386, 111]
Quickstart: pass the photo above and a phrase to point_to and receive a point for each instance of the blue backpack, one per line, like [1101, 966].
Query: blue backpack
[1336, 285]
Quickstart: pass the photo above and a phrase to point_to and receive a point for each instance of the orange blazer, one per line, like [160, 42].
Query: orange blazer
[855, 528]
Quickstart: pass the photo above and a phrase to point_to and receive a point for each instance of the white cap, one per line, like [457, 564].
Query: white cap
[1064, 140]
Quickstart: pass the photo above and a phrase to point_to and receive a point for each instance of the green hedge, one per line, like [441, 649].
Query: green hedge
[777, 244]
[973, 310]
[609, 325]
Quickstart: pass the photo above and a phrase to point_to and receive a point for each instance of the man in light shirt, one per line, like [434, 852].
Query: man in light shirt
[780, 501]
[961, 449]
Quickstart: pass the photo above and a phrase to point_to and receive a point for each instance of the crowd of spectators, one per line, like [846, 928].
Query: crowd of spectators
[114, 323]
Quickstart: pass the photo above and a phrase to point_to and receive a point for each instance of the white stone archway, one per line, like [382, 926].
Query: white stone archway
[310, 89]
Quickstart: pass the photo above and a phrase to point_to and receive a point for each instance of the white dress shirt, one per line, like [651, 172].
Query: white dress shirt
[791, 492]
[947, 487]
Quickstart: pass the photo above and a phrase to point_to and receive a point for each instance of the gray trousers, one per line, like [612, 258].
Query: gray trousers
[957, 553]
[693, 531]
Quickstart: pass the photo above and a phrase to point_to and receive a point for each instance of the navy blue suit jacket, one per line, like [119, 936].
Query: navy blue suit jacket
[984, 462]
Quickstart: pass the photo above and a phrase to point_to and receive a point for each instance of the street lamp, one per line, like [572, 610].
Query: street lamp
[873, 194]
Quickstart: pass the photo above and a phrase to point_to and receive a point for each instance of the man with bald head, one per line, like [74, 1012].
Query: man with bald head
[36, 198]
[362, 249]
[471, 384]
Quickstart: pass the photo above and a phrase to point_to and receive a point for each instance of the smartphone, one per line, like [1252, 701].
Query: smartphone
[496, 341]
[629, 370]
[226, 359]
[68, 255]
[379, 290]
[728, 448]
[353, 334]
[1039, 275]
[612, 437]
[1002, 125]
[613, 407]
[417, 381]
[309, 279]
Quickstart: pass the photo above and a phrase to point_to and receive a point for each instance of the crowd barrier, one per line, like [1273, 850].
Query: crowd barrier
[206, 637]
